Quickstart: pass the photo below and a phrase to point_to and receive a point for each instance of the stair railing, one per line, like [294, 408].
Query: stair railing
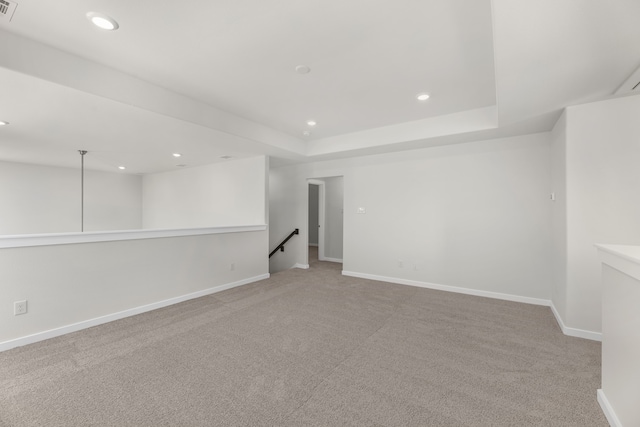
[281, 245]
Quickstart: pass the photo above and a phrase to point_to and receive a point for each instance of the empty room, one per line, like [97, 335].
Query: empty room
[319, 213]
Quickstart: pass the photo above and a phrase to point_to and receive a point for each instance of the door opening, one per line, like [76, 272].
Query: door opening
[326, 200]
[316, 220]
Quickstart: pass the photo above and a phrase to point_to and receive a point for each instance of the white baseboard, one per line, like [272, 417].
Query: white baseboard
[574, 332]
[330, 259]
[466, 291]
[303, 266]
[608, 410]
[52, 333]
[313, 244]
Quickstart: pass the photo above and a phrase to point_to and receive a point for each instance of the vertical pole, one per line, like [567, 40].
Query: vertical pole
[82, 153]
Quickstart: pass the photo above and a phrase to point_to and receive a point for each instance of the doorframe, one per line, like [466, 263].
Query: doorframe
[321, 217]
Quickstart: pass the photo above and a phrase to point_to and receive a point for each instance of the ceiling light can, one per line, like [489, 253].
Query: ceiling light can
[311, 122]
[103, 21]
[3, 123]
[422, 96]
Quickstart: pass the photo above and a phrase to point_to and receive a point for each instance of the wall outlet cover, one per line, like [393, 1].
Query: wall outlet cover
[20, 307]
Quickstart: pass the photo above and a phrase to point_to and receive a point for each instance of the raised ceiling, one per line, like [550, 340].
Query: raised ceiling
[218, 77]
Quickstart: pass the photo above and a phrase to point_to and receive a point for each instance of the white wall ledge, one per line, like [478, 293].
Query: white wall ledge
[621, 257]
[26, 240]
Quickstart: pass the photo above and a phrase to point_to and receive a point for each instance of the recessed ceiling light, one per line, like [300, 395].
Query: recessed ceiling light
[103, 21]
[177, 154]
[312, 123]
[422, 96]
[3, 123]
[121, 167]
[302, 69]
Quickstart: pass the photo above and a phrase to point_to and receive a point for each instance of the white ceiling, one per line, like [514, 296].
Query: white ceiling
[50, 123]
[217, 77]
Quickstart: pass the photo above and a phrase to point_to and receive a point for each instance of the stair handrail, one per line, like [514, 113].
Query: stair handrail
[281, 245]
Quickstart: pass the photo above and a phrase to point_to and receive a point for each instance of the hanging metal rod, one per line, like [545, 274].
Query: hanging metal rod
[82, 153]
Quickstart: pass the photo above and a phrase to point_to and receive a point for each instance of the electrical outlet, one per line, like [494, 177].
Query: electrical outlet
[20, 307]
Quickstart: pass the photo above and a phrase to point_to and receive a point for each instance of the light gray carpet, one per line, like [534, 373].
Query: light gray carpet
[311, 348]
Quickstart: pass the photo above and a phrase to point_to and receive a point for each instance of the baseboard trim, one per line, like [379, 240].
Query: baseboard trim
[303, 266]
[56, 332]
[608, 410]
[574, 332]
[447, 288]
[338, 260]
[313, 244]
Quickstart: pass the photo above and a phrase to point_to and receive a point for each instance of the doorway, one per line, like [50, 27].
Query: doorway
[316, 220]
[325, 219]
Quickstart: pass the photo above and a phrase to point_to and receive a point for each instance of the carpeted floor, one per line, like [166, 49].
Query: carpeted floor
[311, 348]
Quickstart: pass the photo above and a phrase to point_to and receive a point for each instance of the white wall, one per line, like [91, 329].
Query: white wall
[220, 194]
[75, 283]
[559, 215]
[603, 203]
[285, 215]
[620, 392]
[44, 199]
[334, 217]
[473, 215]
